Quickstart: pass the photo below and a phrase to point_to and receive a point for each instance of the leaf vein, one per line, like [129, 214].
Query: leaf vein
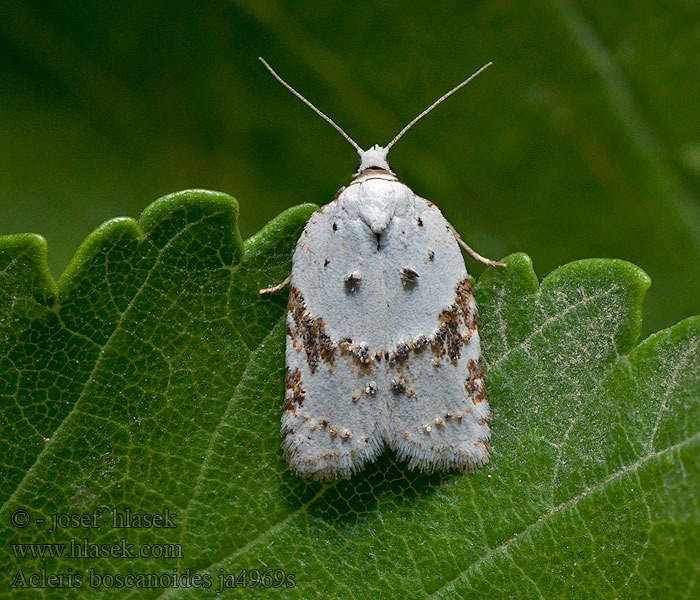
[555, 317]
[215, 433]
[543, 519]
[672, 383]
[98, 361]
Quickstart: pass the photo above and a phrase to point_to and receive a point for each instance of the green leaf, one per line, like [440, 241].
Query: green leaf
[151, 378]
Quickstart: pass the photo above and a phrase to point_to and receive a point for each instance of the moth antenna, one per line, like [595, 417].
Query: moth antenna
[311, 106]
[433, 105]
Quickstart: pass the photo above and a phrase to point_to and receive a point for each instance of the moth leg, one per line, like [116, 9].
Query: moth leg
[475, 255]
[278, 287]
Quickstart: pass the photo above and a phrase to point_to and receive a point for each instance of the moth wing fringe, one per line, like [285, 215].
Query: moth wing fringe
[333, 465]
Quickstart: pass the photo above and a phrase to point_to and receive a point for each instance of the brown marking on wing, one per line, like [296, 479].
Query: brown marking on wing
[474, 381]
[294, 398]
[449, 339]
[309, 332]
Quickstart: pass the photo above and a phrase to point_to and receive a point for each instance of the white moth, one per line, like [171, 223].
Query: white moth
[382, 344]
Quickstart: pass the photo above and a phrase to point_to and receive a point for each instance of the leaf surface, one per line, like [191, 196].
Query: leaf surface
[151, 378]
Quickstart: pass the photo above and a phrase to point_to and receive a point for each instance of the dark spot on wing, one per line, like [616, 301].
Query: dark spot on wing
[352, 282]
[409, 277]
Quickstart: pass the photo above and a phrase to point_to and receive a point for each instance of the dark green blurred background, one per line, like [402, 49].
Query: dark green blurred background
[583, 139]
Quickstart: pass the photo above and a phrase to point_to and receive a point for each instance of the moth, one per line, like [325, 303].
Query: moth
[382, 339]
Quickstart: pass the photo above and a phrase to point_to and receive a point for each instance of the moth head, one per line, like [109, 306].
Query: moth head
[374, 158]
